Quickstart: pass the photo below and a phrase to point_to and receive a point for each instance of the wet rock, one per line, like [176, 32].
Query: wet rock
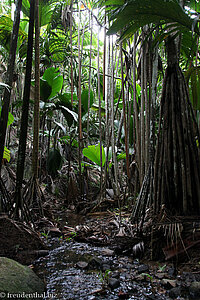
[16, 278]
[95, 263]
[194, 289]
[113, 283]
[168, 283]
[82, 264]
[105, 267]
[143, 269]
[115, 274]
[172, 271]
[175, 292]
[107, 252]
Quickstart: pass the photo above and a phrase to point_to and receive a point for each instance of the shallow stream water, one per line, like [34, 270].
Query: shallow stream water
[66, 280]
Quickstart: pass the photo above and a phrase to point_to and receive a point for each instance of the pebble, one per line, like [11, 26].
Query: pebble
[82, 264]
[175, 292]
[113, 283]
[95, 263]
[194, 289]
[107, 252]
[143, 269]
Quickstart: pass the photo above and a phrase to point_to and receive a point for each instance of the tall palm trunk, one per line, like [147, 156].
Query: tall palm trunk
[89, 79]
[9, 79]
[99, 98]
[80, 137]
[124, 113]
[37, 94]
[24, 117]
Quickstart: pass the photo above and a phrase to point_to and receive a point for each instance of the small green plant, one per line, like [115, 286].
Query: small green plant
[104, 277]
[162, 268]
[147, 275]
[72, 236]
[45, 235]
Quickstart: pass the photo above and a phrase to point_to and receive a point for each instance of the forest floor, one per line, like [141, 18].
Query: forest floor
[91, 250]
[98, 256]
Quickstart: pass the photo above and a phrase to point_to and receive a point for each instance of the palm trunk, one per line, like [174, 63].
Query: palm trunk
[72, 79]
[114, 158]
[89, 84]
[79, 104]
[124, 113]
[37, 94]
[99, 98]
[24, 117]
[135, 108]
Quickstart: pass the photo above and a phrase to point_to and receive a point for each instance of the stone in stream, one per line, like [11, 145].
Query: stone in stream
[95, 263]
[82, 264]
[113, 283]
[143, 269]
[107, 252]
[17, 279]
[175, 292]
[105, 267]
[194, 289]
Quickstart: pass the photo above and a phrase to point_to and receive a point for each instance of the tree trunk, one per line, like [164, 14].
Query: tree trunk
[37, 94]
[177, 161]
[24, 117]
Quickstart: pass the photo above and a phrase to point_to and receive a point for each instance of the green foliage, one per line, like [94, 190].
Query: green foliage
[54, 80]
[104, 277]
[45, 90]
[6, 154]
[10, 118]
[93, 153]
[67, 140]
[193, 77]
[84, 99]
[6, 25]
[64, 104]
[134, 14]
[54, 162]
[46, 10]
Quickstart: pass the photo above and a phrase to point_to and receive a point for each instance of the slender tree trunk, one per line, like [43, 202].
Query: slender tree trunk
[142, 122]
[79, 103]
[124, 113]
[100, 127]
[71, 58]
[135, 107]
[37, 94]
[24, 117]
[89, 83]
[9, 79]
[114, 158]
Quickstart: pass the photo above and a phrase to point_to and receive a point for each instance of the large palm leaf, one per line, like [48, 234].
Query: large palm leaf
[6, 25]
[132, 14]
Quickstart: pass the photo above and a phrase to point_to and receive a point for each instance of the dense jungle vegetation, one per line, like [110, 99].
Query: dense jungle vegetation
[97, 98]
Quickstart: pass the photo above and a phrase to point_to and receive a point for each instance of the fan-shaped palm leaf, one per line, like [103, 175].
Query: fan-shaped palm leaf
[133, 14]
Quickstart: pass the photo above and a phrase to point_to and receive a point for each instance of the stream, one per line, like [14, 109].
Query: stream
[75, 270]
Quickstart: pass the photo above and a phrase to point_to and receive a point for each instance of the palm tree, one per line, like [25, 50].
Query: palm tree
[176, 173]
[24, 119]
